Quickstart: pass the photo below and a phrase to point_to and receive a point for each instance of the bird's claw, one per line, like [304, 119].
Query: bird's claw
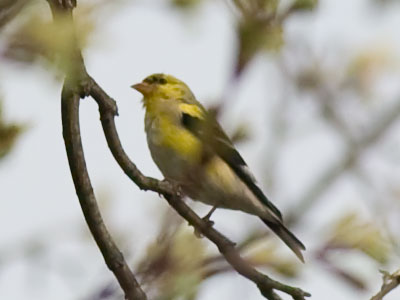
[209, 223]
[206, 219]
[175, 187]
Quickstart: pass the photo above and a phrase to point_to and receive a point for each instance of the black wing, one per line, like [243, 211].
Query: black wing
[211, 133]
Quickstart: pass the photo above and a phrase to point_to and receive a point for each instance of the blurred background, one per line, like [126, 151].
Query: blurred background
[309, 91]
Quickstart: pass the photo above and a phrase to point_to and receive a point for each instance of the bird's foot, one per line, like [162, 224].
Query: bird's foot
[209, 223]
[207, 217]
[177, 189]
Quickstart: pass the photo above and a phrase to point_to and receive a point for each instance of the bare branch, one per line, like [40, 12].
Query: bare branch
[71, 94]
[84, 190]
[112, 256]
[390, 282]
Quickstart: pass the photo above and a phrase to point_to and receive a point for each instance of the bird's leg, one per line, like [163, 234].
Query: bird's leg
[207, 220]
[207, 217]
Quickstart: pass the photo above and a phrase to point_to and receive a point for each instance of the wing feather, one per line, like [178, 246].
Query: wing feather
[205, 127]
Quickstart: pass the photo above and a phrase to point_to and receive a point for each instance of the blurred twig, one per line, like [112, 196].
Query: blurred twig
[338, 271]
[349, 158]
[390, 282]
[9, 9]
[327, 98]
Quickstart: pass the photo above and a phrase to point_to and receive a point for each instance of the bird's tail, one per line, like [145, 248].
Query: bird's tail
[286, 236]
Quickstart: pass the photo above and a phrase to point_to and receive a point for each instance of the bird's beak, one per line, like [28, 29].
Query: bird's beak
[143, 88]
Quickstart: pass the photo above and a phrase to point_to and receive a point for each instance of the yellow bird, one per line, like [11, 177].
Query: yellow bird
[192, 151]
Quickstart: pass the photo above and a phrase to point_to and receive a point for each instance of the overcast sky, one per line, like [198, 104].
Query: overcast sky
[39, 203]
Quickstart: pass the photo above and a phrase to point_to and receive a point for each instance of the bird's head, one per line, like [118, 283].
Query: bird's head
[160, 87]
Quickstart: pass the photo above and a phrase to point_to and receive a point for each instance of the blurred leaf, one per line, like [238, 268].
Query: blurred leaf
[241, 134]
[258, 29]
[270, 256]
[352, 232]
[8, 134]
[256, 36]
[368, 65]
[174, 267]
[41, 37]
[258, 8]
[303, 5]
[186, 4]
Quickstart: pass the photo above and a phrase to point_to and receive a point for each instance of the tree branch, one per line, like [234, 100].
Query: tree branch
[266, 285]
[71, 94]
[73, 144]
[390, 282]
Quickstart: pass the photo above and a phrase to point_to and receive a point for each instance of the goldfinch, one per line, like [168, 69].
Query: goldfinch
[193, 152]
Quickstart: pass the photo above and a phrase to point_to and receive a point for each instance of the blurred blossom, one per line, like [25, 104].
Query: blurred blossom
[172, 267]
[366, 68]
[270, 255]
[39, 38]
[352, 232]
[257, 29]
[260, 26]
[242, 133]
[255, 36]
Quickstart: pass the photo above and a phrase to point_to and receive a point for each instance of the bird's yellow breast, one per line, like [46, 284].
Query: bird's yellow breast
[165, 134]
[180, 140]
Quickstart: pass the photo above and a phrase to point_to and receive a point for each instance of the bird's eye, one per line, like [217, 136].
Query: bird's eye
[155, 80]
[149, 80]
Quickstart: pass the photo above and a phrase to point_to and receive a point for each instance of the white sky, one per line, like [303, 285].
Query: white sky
[140, 39]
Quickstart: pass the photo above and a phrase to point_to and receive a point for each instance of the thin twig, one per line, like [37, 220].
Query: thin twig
[266, 285]
[390, 282]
